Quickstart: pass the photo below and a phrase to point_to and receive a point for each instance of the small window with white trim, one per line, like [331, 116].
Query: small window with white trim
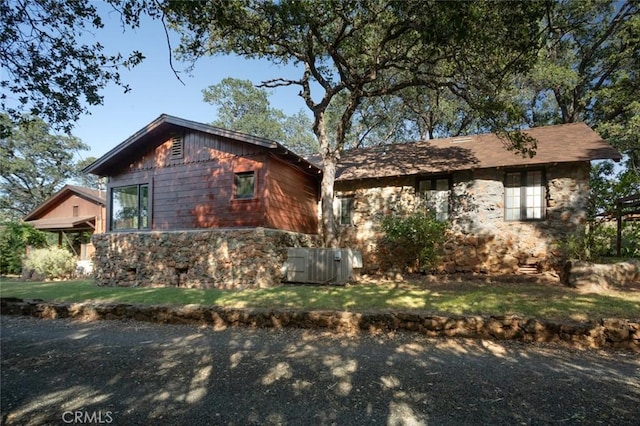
[435, 194]
[524, 195]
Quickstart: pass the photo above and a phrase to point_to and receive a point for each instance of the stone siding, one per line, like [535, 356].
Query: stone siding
[220, 258]
[480, 240]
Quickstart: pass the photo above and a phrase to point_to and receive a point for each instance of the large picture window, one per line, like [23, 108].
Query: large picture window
[524, 195]
[435, 193]
[130, 207]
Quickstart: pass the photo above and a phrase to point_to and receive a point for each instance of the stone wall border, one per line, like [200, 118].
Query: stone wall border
[613, 333]
[224, 258]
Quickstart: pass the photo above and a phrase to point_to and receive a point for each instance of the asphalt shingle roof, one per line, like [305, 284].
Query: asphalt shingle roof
[555, 144]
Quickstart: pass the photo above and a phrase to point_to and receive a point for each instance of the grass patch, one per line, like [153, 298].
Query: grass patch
[472, 298]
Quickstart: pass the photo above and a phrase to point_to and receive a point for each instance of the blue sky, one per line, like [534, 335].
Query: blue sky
[155, 89]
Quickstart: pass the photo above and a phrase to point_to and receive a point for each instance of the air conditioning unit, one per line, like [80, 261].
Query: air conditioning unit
[321, 265]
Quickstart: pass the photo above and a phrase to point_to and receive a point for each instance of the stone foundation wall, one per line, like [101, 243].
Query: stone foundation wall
[480, 240]
[605, 333]
[220, 258]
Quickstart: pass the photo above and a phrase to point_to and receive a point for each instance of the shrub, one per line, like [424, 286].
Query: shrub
[50, 263]
[418, 234]
[14, 239]
[595, 241]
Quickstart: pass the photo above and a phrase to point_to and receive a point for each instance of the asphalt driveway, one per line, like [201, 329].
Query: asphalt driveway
[128, 373]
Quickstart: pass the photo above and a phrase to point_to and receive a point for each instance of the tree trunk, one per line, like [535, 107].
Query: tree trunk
[326, 191]
[330, 157]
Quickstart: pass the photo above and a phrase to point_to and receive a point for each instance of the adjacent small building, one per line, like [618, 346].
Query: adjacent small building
[73, 209]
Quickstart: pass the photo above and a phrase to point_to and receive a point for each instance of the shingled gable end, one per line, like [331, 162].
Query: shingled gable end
[192, 204]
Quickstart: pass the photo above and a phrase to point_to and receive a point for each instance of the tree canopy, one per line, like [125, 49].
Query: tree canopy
[35, 164]
[245, 108]
[52, 66]
[588, 70]
[348, 51]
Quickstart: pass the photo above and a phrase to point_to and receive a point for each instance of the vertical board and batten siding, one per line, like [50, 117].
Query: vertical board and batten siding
[197, 190]
[65, 208]
[291, 198]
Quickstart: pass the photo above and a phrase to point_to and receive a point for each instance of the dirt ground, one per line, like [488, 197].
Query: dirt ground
[131, 373]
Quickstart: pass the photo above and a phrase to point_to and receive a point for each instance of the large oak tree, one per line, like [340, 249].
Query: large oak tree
[589, 70]
[348, 51]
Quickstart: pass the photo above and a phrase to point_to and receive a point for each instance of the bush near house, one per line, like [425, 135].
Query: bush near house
[417, 236]
[14, 239]
[49, 263]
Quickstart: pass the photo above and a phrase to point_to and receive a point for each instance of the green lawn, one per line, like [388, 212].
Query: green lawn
[526, 299]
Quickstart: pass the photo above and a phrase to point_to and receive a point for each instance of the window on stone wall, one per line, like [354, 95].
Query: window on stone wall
[435, 194]
[244, 185]
[524, 195]
[345, 210]
[130, 207]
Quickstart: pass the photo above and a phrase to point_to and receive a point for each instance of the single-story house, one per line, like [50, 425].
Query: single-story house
[72, 209]
[508, 212]
[194, 205]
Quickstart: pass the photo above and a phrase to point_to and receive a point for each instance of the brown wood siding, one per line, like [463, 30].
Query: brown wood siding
[65, 208]
[292, 198]
[189, 194]
[197, 147]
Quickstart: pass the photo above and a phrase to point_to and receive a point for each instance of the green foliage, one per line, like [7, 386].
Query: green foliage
[608, 184]
[35, 164]
[48, 68]
[630, 240]
[587, 71]
[14, 239]
[598, 241]
[245, 108]
[584, 244]
[347, 51]
[51, 263]
[417, 234]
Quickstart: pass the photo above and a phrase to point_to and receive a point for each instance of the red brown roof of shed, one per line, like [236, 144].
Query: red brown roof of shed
[555, 144]
[95, 196]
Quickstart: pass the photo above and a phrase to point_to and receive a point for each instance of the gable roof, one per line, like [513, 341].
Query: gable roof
[149, 136]
[98, 197]
[555, 144]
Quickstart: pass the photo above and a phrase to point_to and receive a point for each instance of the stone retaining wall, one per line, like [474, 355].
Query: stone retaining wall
[611, 332]
[594, 277]
[219, 258]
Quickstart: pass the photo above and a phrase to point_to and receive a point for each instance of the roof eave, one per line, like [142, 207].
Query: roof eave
[108, 160]
[55, 197]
